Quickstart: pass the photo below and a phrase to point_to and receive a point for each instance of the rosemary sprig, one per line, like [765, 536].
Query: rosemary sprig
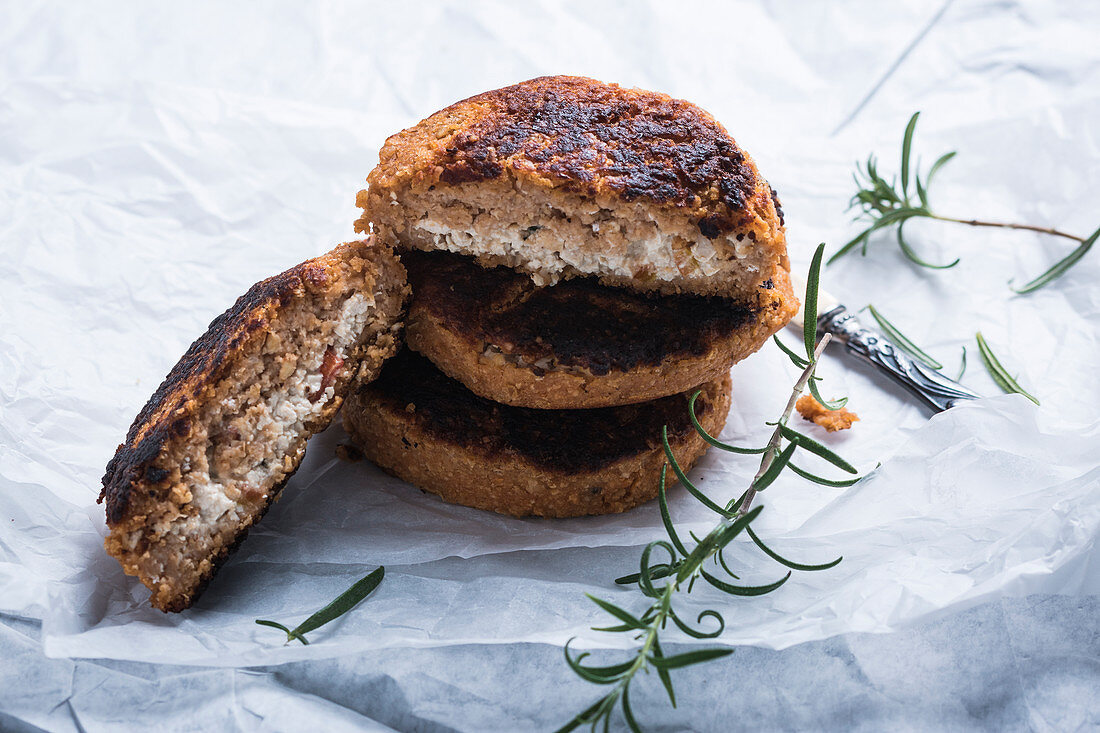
[882, 204]
[343, 603]
[996, 370]
[682, 566]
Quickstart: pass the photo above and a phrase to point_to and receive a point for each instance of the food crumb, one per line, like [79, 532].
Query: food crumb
[348, 453]
[831, 420]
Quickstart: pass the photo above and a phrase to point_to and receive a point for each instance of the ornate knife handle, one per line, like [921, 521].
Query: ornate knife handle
[934, 389]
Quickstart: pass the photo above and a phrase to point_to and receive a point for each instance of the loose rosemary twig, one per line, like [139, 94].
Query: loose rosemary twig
[683, 566]
[343, 603]
[883, 205]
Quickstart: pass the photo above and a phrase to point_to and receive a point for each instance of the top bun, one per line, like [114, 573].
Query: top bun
[564, 176]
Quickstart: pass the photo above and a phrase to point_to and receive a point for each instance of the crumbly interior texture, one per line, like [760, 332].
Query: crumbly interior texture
[247, 434]
[550, 235]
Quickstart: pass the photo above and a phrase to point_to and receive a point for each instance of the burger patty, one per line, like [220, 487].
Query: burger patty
[577, 344]
[564, 176]
[424, 427]
[212, 448]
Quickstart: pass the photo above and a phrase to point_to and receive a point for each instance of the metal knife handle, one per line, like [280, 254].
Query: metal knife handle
[934, 389]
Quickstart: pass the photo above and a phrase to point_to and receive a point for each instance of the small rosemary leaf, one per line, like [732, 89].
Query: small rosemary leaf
[290, 635]
[666, 517]
[906, 147]
[662, 672]
[689, 658]
[645, 576]
[656, 572]
[914, 257]
[808, 443]
[581, 670]
[1061, 267]
[613, 629]
[996, 370]
[962, 365]
[707, 437]
[274, 625]
[901, 339]
[612, 671]
[855, 242]
[684, 479]
[582, 718]
[790, 564]
[827, 404]
[743, 590]
[778, 464]
[842, 483]
[798, 360]
[722, 561]
[937, 165]
[921, 193]
[624, 616]
[628, 714]
[344, 602]
[696, 633]
[813, 279]
[735, 504]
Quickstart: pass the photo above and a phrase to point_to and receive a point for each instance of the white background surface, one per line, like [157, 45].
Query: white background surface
[155, 161]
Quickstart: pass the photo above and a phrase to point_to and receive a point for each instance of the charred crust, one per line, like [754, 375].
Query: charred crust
[577, 323]
[778, 207]
[565, 441]
[585, 137]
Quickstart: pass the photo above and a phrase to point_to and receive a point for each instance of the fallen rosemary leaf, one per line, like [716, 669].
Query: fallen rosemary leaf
[1060, 267]
[901, 339]
[343, 603]
[962, 365]
[996, 370]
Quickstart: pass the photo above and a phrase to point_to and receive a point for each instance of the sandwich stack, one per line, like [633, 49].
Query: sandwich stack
[569, 261]
[582, 259]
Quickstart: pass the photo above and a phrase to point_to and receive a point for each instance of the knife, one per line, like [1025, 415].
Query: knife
[930, 387]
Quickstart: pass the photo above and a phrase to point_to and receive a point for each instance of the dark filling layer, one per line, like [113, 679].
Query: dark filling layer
[564, 440]
[577, 323]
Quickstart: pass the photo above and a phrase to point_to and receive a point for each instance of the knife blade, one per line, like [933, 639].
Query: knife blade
[931, 387]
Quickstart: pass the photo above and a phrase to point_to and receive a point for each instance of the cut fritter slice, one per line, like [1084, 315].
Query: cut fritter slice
[424, 427]
[566, 176]
[577, 344]
[214, 445]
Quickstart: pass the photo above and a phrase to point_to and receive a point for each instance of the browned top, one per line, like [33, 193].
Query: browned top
[578, 323]
[568, 441]
[586, 137]
[169, 412]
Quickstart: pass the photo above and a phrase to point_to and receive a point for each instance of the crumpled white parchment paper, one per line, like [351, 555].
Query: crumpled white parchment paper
[156, 161]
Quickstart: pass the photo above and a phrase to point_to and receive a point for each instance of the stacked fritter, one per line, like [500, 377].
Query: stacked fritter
[582, 258]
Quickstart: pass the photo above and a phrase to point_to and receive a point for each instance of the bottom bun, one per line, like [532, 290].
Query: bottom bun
[428, 429]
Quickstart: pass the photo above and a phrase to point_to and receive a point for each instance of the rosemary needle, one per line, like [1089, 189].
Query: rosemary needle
[901, 340]
[996, 370]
